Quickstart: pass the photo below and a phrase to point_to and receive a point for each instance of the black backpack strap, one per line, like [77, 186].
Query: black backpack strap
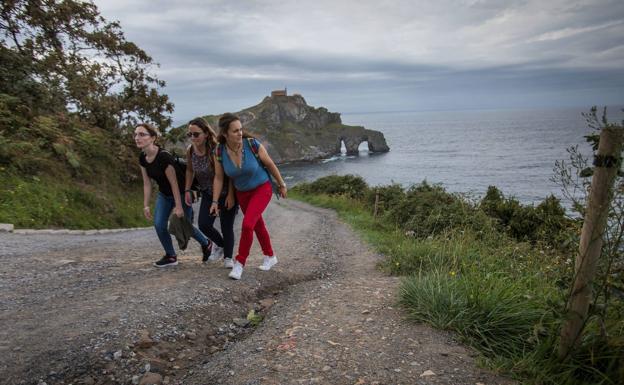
[219, 152]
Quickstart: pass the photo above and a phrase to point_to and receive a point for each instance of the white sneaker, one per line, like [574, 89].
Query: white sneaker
[217, 253]
[267, 263]
[237, 271]
[227, 262]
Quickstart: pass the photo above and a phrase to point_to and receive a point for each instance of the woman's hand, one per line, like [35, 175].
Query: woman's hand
[283, 191]
[214, 209]
[229, 201]
[188, 198]
[146, 213]
[178, 211]
[273, 170]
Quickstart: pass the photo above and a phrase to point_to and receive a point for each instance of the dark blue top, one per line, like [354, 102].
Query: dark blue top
[251, 174]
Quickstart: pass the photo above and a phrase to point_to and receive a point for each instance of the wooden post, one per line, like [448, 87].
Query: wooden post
[600, 195]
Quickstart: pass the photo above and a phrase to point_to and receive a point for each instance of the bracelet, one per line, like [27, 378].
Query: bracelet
[217, 202]
[146, 207]
[187, 191]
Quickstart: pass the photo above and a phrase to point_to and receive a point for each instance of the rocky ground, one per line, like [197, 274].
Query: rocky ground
[90, 309]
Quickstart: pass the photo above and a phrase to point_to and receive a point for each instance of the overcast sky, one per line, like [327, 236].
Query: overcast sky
[368, 56]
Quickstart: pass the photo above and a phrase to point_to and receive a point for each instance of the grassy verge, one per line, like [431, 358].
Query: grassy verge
[499, 284]
[57, 202]
[59, 171]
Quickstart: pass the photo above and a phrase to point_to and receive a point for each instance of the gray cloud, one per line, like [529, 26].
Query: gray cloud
[382, 55]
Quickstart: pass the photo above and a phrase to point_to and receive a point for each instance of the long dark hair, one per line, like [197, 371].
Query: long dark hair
[224, 125]
[211, 140]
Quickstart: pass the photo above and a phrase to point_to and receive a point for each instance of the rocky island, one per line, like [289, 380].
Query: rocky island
[291, 130]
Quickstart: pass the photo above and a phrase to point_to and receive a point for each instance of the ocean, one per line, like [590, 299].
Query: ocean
[464, 151]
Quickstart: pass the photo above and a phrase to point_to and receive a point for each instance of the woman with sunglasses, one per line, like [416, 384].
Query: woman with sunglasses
[158, 164]
[200, 160]
[250, 175]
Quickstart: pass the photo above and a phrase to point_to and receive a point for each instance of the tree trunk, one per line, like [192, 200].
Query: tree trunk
[591, 238]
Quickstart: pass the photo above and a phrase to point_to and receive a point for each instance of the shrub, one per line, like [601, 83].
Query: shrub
[554, 227]
[351, 186]
[12, 114]
[429, 210]
[547, 222]
[422, 203]
[389, 197]
[46, 127]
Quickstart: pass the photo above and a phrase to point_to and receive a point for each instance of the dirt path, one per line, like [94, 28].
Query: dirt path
[91, 310]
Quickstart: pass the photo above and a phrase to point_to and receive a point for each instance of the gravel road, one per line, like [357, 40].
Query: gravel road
[91, 309]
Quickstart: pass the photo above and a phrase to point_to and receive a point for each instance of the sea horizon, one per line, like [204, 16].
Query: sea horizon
[465, 151]
[178, 122]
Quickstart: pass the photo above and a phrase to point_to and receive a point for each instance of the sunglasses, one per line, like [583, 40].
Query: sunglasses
[193, 134]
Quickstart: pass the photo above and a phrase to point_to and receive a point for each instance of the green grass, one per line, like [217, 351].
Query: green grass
[58, 171]
[493, 314]
[46, 202]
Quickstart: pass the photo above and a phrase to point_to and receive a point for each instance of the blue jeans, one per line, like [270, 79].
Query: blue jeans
[164, 206]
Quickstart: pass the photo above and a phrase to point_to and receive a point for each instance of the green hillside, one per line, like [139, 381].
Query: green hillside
[57, 171]
[71, 90]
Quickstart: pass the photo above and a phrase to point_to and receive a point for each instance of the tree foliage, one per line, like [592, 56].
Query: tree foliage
[63, 55]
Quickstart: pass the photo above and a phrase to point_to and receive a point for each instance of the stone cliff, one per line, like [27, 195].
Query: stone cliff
[291, 130]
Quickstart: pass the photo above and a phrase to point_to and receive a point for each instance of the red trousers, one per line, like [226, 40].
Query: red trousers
[253, 203]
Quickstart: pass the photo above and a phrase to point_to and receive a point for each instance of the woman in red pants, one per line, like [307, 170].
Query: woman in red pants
[246, 162]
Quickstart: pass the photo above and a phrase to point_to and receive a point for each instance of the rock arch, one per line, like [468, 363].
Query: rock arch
[352, 140]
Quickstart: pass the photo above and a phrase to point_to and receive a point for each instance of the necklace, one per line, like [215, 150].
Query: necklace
[236, 154]
[233, 150]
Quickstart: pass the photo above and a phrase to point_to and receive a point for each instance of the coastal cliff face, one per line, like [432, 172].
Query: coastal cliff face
[291, 130]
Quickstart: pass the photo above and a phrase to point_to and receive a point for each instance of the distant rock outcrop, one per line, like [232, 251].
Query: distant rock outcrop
[291, 130]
